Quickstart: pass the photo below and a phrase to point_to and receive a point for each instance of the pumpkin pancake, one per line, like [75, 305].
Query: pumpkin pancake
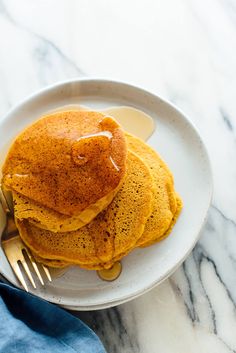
[174, 219]
[165, 205]
[112, 233]
[63, 264]
[51, 263]
[67, 162]
[49, 219]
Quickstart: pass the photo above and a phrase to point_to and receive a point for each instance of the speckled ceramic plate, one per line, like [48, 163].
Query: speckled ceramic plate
[176, 139]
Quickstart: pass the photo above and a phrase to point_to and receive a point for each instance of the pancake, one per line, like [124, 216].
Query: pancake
[167, 204]
[48, 219]
[165, 200]
[154, 240]
[63, 264]
[51, 263]
[67, 161]
[112, 233]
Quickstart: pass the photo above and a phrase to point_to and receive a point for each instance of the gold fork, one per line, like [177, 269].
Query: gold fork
[16, 251]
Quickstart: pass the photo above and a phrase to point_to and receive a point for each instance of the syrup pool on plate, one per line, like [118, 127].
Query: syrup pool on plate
[112, 273]
[133, 120]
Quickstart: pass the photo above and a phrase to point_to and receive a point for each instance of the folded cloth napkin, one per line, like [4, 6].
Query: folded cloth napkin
[32, 325]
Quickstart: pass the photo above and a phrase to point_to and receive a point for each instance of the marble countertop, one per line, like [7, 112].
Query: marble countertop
[185, 51]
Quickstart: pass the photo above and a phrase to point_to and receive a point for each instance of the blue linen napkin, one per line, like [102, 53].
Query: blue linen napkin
[32, 325]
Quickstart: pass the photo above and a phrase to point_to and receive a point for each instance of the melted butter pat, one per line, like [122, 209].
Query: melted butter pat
[132, 120]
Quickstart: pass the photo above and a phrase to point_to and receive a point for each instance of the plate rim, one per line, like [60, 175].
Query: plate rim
[102, 81]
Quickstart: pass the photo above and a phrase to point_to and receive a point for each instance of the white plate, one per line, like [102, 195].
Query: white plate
[179, 144]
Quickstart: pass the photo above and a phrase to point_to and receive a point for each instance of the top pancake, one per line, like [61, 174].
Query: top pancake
[67, 161]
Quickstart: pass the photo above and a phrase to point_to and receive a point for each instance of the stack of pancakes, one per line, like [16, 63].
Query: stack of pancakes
[85, 192]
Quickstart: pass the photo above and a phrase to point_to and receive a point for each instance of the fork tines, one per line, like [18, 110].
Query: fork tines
[17, 254]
